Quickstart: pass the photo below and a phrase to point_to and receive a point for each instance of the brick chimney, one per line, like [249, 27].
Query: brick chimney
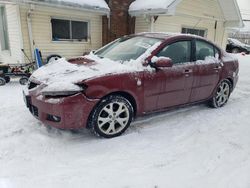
[120, 23]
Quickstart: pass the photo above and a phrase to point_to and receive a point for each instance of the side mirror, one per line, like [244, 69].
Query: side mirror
[163, 62]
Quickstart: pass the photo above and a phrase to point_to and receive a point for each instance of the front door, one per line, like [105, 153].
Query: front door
[170, 86]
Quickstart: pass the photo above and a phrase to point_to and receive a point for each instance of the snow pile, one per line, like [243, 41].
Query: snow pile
[149, 4]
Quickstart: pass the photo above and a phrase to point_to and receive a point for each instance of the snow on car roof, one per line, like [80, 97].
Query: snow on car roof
[237, 42]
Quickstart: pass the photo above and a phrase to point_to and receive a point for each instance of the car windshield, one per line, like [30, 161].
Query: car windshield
[126, 48]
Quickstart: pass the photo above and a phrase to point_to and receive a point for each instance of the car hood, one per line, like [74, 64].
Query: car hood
[64, 75]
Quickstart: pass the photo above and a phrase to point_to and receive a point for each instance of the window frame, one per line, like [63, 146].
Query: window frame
[180, 40]
[70, 30]
[196, 28]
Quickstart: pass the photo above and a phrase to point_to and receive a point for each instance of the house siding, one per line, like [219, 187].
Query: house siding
[198, 14]
[15, 37]
[42, 32]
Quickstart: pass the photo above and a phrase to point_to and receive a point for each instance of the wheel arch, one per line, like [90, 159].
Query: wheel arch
[231, 82]
[126, 95]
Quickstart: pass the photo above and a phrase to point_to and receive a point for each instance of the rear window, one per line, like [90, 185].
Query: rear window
[204, 49]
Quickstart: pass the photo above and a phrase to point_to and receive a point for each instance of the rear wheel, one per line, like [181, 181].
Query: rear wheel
[23, 80]
[111, 117]
[222, 94]
[235, 50]
[2, 81]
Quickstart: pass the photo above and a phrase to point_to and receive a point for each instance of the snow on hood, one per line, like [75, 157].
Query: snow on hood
[63, 75]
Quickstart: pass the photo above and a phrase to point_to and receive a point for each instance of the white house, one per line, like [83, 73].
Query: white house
[29, 24]
[207, 18]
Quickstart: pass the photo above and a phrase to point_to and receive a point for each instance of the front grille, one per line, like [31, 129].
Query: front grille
[34, 110]
[28, 101]
[53, 118]
[32, 85]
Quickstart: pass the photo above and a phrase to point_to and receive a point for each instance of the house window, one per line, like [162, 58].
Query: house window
[4, 42]
[69, 30]
[199, 32]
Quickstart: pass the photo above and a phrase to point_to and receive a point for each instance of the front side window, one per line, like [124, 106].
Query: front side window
[69, 30]
[179, 52]
[204, 49]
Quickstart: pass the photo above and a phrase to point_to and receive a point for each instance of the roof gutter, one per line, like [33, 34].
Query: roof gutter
[151, 12]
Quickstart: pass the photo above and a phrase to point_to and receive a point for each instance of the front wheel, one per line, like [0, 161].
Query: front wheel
[111, 117]
[222, 94]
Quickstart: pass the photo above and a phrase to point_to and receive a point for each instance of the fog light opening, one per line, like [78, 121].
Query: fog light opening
[53, 118]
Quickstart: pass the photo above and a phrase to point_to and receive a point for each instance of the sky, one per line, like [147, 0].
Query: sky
[244, 8]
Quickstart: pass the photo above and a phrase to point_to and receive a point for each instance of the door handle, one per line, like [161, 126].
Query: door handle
[187, 71]
[217, 68]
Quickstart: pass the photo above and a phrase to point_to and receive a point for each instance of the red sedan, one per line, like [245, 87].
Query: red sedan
[130, 77]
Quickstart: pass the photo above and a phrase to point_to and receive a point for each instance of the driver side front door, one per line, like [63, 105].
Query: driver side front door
[170, 86]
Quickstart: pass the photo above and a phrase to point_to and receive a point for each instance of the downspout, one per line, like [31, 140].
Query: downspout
[215, 30]
[152, 20]
[29, 22]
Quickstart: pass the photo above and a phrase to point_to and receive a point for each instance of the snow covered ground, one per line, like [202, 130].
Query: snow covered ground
[190, 147]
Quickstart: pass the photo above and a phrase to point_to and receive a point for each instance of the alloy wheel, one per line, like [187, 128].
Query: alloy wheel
[222, 94]
[113, 118]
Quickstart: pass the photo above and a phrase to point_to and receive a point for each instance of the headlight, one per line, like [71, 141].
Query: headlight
[64, 93]
[59, 93]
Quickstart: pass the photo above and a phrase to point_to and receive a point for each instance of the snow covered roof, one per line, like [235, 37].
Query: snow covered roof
[229, 8]
[152, 7]
[99, 6]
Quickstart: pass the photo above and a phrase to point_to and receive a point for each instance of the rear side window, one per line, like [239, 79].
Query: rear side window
[179, 52]
[204, 49]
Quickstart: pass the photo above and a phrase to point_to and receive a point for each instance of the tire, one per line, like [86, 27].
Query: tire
[23, 80]
[52, 58]
[111, 117]
[2, 81]
[235, 50]
[221, 95]
[7, 79]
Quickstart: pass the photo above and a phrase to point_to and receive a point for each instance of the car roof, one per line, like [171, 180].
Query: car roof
[166, 35]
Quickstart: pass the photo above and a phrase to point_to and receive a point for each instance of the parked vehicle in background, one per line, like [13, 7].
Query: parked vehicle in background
[130, 77]
[23, 71]
[235, 46]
